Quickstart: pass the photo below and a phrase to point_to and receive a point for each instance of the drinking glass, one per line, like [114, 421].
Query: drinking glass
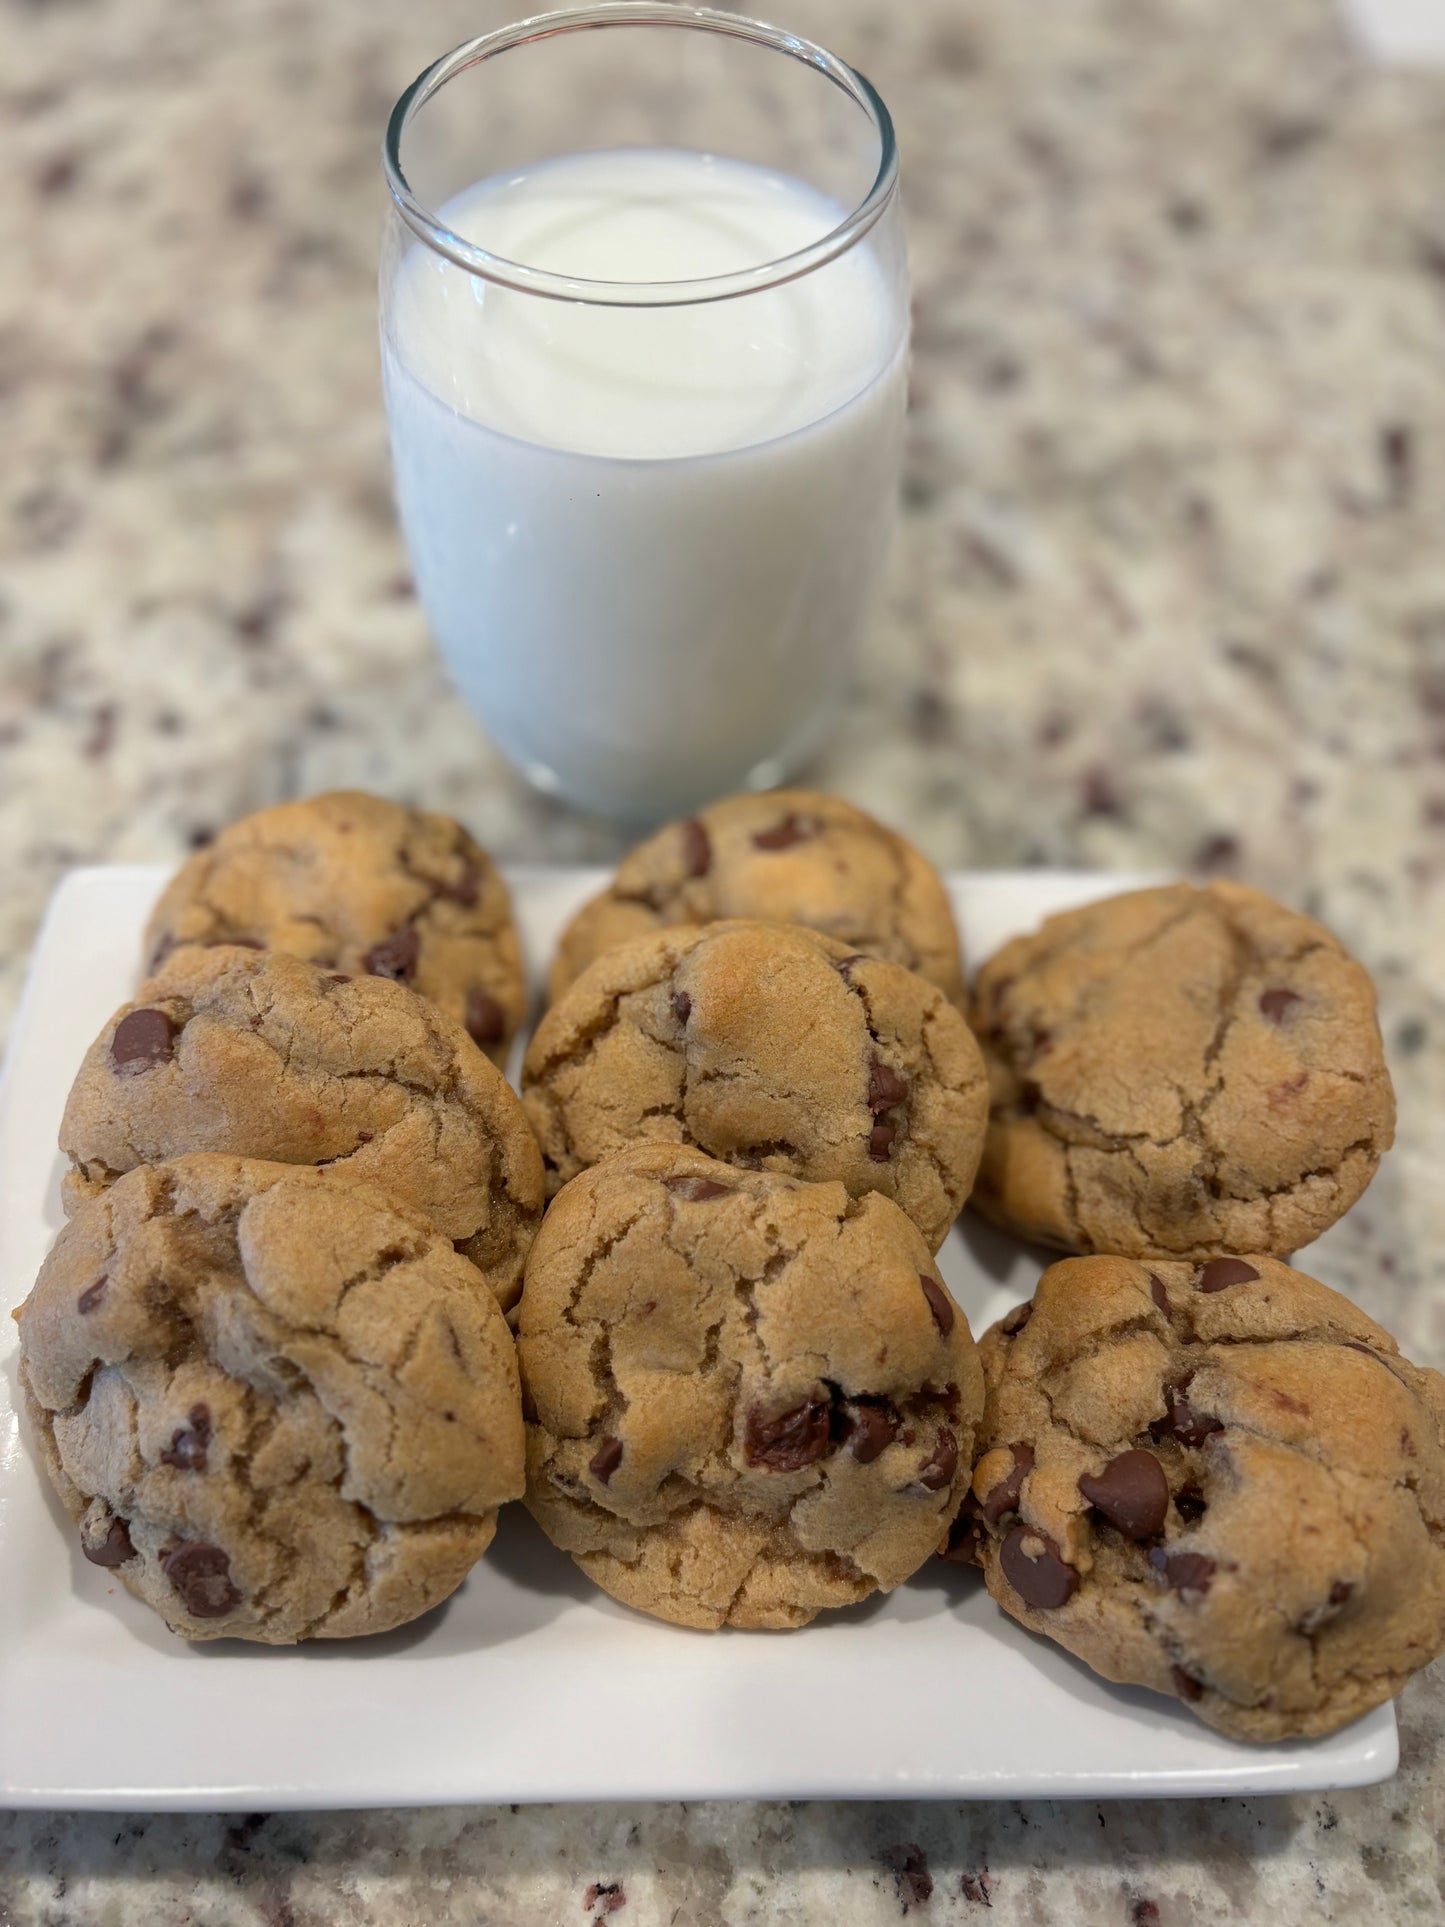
[644, 323]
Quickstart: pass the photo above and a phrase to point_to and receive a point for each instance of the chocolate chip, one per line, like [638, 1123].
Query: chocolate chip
[885, 1087]
[696, 848]
[844, 965]
[1327, 1610]
[1159, 1294]
[1188, 1688]
[966, 1538]
[1182, 1420]
[782, 836]
[938, 1468]
[1032, 1566]
[872, 1425]
[1220, 1273]
[1187, 1573]
[1131, 1492]
[397, 957]
[605, 1460]
[939, 1303]
[234, 943]
[788, 1442]
[880, 1142]
[114, 1549]
[92, 1295]
[1013, 1322]
[1277, 1004]
[1003, 1498]
[465, 890]
[681, 1006]
[201, 1574]
[486, 1021]
[187, 1448]
[998, 994]
[158, 956]
[143, 1039]
[697, 1190]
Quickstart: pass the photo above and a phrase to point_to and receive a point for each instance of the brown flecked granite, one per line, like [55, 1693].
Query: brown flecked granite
[1169, 591]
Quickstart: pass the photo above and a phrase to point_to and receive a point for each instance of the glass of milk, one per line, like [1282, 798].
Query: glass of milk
[644, 322]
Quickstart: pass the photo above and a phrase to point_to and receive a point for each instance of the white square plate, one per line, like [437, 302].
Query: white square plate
[529, 1684]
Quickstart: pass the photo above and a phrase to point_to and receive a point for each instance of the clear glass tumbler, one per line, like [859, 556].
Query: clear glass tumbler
[644, 320]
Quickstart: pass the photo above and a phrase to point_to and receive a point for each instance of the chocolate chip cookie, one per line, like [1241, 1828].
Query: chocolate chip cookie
[264, 1055]
[356, 883]
[1179, 1072]
[1219, 1480]
[789, 856]
[277, 1407]
[772, 1048]
[747, 1399]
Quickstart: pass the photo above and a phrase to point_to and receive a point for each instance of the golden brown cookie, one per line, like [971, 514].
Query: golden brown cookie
[1179, 1072]
[262, 1055]
[748, 1399]
[772, 1048]
[1221, 1481]
[278, 1407]
[784, 856]
[356, 883]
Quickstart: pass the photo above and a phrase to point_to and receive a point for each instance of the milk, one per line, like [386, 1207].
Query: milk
[646, 538]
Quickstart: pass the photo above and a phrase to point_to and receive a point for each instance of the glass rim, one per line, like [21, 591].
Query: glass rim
[479, 261]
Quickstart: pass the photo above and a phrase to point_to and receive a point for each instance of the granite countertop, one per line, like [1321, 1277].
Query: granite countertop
[1169, 591]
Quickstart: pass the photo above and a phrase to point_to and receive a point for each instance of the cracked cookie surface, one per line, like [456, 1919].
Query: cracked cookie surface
[356, 883]
[788, 856]
[263, 1055]
[748, 1399]
[276, 1406]
[1179, 1072]
[767, 1046]
[1221, 1481]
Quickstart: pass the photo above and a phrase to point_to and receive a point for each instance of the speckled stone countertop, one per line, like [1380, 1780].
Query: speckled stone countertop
[1169, 591]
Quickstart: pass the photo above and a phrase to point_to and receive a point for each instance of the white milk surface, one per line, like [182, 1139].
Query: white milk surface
[646, 538]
